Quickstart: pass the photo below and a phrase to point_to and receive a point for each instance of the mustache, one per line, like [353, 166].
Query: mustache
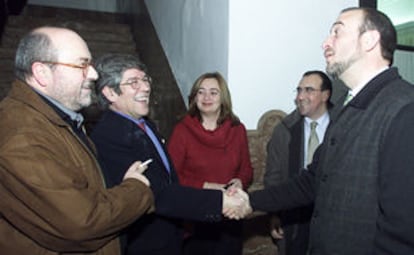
[88, 84]
[328, 51]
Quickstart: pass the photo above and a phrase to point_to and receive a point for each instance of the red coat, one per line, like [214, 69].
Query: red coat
[200, 155]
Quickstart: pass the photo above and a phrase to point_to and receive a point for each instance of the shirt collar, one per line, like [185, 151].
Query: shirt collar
[136, 121]
[74, 116]
[321, 120]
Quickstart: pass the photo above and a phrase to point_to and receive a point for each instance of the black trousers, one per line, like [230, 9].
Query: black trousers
[223, 238]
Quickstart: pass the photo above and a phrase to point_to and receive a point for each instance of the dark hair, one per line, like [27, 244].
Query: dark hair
[33, 47]
[326, 82]
[110, 68]
[377, 20]
[226, 111]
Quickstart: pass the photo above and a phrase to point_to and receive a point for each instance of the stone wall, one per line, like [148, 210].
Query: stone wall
[256, 228]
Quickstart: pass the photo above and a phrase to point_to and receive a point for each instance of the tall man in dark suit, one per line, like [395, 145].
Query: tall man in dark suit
[362, 177]
[123, 135]
[289, 152]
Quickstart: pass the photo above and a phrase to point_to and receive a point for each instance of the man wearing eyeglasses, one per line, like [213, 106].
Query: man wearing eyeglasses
[125, 134]
[53, 197]
[289, 152]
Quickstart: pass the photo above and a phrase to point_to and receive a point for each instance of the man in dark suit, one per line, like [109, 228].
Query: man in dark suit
[288, 154]
[362, 176]
[123, 135]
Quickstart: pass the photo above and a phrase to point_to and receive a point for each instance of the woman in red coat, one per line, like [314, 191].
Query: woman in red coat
[209, 150]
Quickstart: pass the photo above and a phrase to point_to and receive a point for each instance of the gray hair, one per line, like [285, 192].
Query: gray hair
[34, 47]
[110, 68]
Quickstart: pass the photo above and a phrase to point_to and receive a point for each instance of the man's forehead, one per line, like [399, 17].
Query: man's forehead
[70, 45]
[132, 73]
[72, 56]
[349, 18]
[311, 80]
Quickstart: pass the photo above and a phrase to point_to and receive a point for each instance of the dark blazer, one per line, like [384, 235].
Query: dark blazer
[297, 219]
[285, 156]
[120, 142]
[362, 177]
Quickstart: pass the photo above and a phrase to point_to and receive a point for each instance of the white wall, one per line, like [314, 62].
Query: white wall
[194, 35]
[262, 47]
[272, 43]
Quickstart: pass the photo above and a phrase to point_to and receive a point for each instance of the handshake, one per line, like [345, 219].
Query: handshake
[236, 204]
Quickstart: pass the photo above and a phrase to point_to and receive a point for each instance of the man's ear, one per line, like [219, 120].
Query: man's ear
[110, 94]
[42, 74]
[370, 39]
[325, 94]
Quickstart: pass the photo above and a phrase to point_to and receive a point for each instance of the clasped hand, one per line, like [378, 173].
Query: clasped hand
[236, 203]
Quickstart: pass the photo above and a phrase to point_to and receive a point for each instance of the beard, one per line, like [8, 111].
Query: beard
[84, 96]
[88, 84]
[335, 70]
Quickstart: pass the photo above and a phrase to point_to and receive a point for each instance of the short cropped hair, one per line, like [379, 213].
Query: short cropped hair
[34, 47]
[326, 83]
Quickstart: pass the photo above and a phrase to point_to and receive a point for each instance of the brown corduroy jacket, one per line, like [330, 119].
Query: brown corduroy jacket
[53, 197]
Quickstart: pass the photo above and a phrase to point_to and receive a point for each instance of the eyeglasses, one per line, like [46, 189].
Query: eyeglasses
[306, 90]
[84, 66]
[135, 82]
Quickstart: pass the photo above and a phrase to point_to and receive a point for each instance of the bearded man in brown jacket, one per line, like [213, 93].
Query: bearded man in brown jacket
[53, 197]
